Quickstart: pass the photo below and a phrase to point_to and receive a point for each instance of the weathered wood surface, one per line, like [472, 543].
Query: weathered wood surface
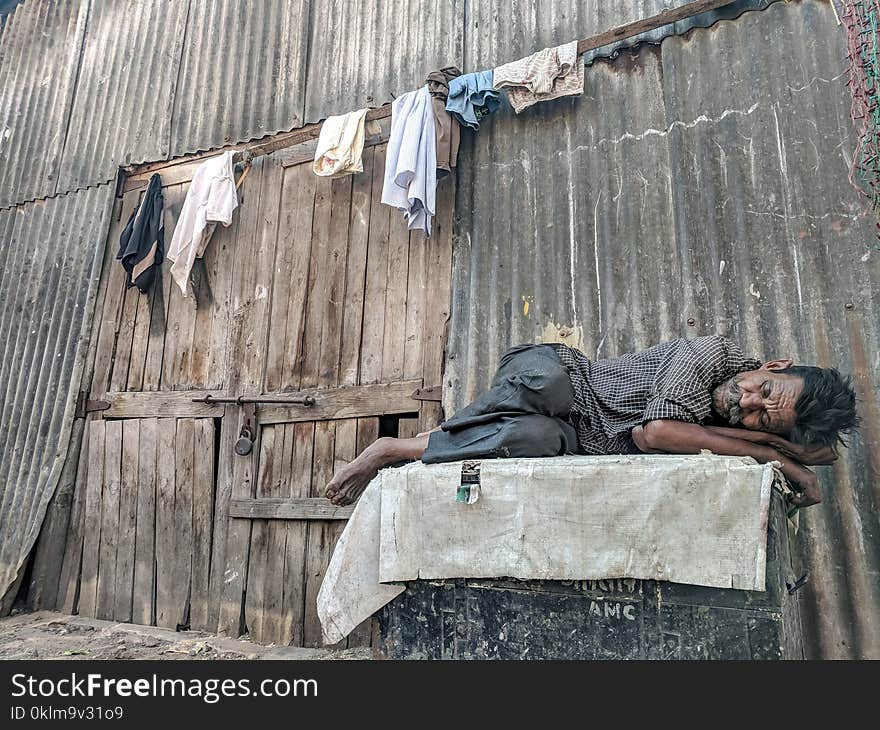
[347, 402]
[308, 508]
[162, 405]
[316, 288]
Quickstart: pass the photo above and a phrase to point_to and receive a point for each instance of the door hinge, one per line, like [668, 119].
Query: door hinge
[85, 405]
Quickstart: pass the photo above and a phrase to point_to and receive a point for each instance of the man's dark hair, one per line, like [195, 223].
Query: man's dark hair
[826, 408]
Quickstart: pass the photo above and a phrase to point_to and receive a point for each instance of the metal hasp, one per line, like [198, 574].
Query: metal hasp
[86, 405]
[306, 400]
[432, 393]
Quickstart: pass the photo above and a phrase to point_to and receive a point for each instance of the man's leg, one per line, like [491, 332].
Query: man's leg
[530, 380]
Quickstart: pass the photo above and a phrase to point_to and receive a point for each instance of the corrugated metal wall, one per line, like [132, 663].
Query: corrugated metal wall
[704, 181]
[39, 60]
[50, 259]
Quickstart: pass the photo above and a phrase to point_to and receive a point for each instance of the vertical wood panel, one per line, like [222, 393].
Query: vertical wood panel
[355, 276]
[439, 293]
[318, 532]
[165, 541]
[183, 520]
[293, 602]
[273, 629]
[376, 275]
[288, 314]
[105, 601]
[394, 343]
[316, 305]
[128, 509]
[139, 342]
[92, 521]
[143, 610]
[259, 540]
[203, 513]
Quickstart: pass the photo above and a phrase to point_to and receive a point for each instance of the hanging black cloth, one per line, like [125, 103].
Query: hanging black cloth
[142, 243]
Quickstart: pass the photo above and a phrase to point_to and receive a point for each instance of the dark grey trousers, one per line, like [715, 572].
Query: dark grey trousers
[523, 414]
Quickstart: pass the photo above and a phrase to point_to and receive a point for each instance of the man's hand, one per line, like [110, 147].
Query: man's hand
[812, 455]
[810, 492]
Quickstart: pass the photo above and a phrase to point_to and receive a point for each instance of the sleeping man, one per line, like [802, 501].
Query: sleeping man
[679, 397]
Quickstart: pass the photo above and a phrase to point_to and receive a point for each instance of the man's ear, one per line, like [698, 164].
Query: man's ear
[778, 364]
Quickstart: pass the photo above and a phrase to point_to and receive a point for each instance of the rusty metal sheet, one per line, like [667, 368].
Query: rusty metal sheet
[127, 76]
[242, 72]
[691, 191]
[50, 262]
[364, 53]
[39, 57]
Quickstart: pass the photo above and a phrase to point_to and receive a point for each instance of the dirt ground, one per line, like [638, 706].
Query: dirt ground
[47, 635]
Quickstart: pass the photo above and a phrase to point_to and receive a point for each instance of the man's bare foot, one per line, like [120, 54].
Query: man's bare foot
[350, 481]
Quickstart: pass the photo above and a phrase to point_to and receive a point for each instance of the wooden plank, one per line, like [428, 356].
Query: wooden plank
[183, 519]
[92, 522]
[259, 539]
[274, 632]
[375, 280]
[644, 25]
[394, 341]
[319, 532]
[235, 473]
[161, 293]
[355, 275]
[367, 433]
[285, 508]
[408, 427]
[331, 333]
[162, 405]
[105, 600]
[439, 295]
[124, 337]
[110, 313]
[287, 317]
[222, 255]
[179, 333]
[416, 306]
[143, 608]
[203, 514]
[128, 512]
[165, 540]
[316, 305]
[350, 402]
[139, 341]
[299, 482]
[71, 565]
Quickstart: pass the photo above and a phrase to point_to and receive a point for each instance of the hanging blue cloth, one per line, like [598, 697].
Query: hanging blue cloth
[472, 97]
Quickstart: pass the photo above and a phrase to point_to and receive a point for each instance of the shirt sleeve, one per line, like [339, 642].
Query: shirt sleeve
[690, 370]
[222, 195]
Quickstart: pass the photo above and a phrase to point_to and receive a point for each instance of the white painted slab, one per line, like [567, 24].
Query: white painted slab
[689, 519]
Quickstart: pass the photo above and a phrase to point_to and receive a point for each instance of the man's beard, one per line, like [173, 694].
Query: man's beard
[732, 394]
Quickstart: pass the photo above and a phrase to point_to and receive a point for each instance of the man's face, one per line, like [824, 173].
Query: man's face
[761, 400]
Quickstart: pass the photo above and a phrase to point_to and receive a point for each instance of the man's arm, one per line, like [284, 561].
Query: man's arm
[809, 455]
[679, 437]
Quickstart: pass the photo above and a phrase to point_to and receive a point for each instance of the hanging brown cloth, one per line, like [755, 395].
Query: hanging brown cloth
[446, 127]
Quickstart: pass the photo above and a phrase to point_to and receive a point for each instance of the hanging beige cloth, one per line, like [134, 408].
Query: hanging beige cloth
[545, 75]
[340, 145]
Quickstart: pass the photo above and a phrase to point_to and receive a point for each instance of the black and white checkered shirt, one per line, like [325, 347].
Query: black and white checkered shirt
[673, 380]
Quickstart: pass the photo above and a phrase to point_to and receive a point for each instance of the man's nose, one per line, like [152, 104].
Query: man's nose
[750, 401]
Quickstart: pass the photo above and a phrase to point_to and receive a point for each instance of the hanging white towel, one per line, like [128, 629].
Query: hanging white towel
[340, 145]
[211, 199]
[411, 160]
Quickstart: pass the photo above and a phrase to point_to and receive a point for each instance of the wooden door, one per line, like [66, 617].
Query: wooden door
[356, 318]
[315, 288]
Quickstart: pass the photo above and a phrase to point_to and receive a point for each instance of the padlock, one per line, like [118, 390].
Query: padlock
[245, 443]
